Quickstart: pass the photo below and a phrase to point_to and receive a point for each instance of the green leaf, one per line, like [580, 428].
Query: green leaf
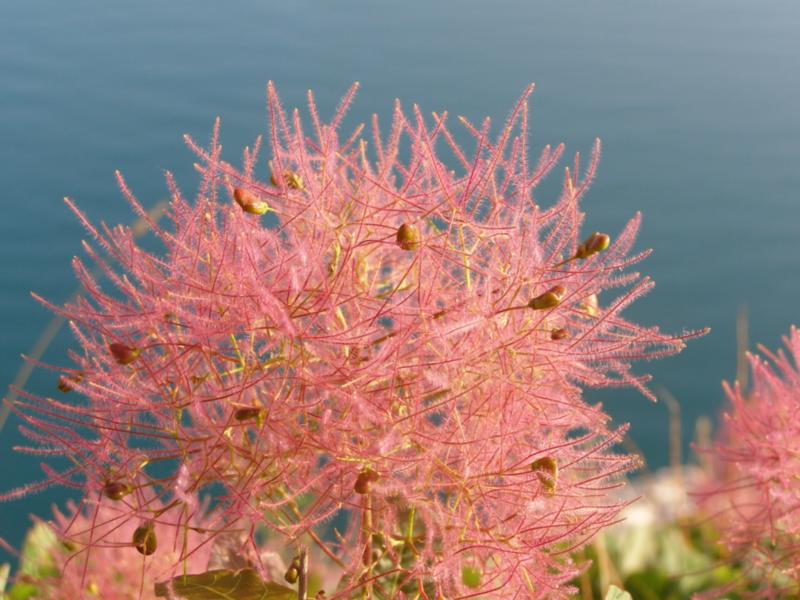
[614, 593]
[21, 591]
[224, 584]
[650, 584]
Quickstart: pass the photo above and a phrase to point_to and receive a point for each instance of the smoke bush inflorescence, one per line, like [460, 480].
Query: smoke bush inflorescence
[391, 371]
[755, 496]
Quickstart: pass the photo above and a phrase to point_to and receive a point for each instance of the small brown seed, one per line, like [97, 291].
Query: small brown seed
[247, 413]
[292, 180]
[144, 539]
[116, 490]
[546, 469]
[363, 481]
[66, 382]
[123, 354]
[408, 237]
[198, 379]
[597, 242]
[559, 334]
[292, 574]
[64, 385]
[549, 299]
[250, 203]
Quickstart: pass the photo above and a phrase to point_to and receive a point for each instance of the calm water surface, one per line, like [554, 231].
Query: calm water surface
[696, 103]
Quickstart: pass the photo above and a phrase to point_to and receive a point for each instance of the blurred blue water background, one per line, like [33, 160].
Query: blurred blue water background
[696, 103]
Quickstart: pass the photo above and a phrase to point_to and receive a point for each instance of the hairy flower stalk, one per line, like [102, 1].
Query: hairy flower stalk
[386, 366]
[755, 497]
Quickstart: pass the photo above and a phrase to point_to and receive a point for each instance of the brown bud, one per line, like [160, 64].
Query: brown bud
[597, 242]
[246, 413]
[363, 481]
[198, 379]
[408, 237]
[559, 334]
[546, 469]
[123, 354]
[292, 179]
[292, 574]
[65, 382]
[250, 203]
[550, 299]
[144, 539]
[116, 490]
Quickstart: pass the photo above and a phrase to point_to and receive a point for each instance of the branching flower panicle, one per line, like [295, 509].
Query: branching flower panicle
[368, 348]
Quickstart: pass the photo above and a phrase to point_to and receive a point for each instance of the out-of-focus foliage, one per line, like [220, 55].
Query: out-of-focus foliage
[223, 584]
[35, 563]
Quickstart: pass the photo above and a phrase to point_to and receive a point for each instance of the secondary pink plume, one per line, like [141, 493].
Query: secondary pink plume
[756, 498]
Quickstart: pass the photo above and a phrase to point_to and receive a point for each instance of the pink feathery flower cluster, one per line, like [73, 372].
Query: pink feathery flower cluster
[374, 349]
[756, 497]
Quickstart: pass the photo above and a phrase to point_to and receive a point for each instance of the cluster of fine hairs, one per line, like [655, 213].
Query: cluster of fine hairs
[755, 497]
[375, 349]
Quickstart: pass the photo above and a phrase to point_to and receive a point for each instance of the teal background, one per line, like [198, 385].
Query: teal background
[696, 103]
